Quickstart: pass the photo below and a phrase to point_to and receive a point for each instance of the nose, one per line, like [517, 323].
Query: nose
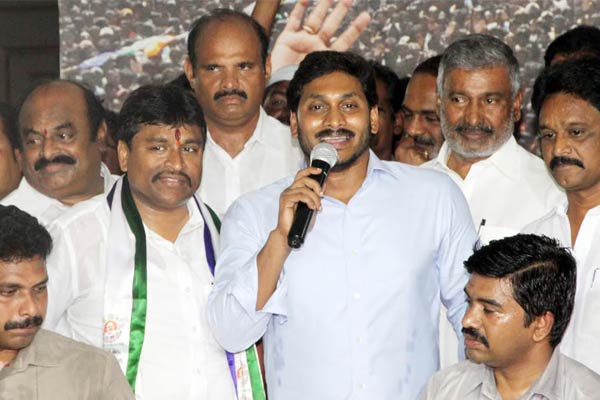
[230, 78]
[413, 125]
[48, 148]
[471, 318]
[335, 118]
[473, 113]
[561, 145]
[29, 304]
[174, 159]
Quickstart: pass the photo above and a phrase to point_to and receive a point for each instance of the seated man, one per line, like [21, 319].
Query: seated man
[520, 297]
[35, 363]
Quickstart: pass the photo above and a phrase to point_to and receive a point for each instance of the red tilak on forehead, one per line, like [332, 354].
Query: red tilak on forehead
[45, 132]
[177, 136]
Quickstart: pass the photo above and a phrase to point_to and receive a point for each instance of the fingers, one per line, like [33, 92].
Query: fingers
[295, 18]
[333, 21]
[349, 36]
[317, 16]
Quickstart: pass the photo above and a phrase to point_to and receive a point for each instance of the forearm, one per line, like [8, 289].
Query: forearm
[264, 13]
[269, 264]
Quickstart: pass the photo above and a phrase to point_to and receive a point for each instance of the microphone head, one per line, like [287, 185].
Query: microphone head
[324, 152]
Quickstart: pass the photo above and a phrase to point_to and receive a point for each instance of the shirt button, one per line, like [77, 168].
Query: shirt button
[356, 295]
[359, 339]
[361, 386]
[354, 252]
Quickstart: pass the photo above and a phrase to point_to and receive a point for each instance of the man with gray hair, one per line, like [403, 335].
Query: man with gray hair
[479, 99]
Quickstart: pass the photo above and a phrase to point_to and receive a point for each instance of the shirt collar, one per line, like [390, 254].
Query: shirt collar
[258, 136]
[504, 159]
[40, 352]
[550, 382]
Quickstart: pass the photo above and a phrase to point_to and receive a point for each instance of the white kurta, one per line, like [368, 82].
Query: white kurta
[270, 154]
[44, 208]
[180, 358]
[582, 338]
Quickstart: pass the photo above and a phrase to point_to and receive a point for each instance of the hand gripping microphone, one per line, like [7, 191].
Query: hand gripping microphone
[322, 156]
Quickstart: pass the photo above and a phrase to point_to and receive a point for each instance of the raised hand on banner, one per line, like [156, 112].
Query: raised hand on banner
[317, 32]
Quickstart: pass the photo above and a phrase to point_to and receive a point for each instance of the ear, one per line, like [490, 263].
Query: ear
[438, 104]
[189, 71]
[374, 114]
[294, 124]
[123, 154]
[542, 326]
[101, 136]
[267, 68]
[517, 105]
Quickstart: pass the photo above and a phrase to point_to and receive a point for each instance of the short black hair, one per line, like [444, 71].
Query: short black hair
[22, 237]
[223, 15]
[392, 82]
[581, 39]
[430, 66]
[578, 77]
[95, 110]
[9, 122]
[542, 274]
[320, 63]
[159, 104]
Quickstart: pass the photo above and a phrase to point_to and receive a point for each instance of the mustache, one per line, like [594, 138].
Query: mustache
[59, 159]
[423, 141]
[26, 323]
[556, 161]
[476, 336]
[232, 92]
[337, 132]
[172, 173]
[466, 128]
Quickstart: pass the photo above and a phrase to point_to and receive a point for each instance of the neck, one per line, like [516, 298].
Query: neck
[461, 165]
[344, 184]
[165, 222]
[6, 356]
[95, 188]
[232, 138]
[516, 379]
[580, 202]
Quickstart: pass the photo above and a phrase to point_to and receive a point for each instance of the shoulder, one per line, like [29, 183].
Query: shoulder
[262, 198]
[451, 380]
[586, 381]
[91, 209]
[543, 225]
[65, 350]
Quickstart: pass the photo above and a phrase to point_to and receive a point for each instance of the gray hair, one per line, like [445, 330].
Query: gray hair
[476, 52]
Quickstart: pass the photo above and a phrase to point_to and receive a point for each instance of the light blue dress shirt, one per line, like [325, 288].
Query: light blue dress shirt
[356, 310]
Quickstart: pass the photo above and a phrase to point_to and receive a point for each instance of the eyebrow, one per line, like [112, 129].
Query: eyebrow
[322, 97]
[485, 300]
[8, 285]
[424, 111]
[64, 125]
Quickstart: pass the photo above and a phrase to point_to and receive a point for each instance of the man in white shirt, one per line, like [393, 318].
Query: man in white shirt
[520, 295]
[61, 134]
[567, 102]
[227, 67]
[479, 98]
[131, 271]
[354, 312]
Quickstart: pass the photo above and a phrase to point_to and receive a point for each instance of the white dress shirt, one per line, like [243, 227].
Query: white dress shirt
[180, 358]
[355, 313]
[508, 190]
[44, 208]
[563, 379]
[582, 338]
[270, 154]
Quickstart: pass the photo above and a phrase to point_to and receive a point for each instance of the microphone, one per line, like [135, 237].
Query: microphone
[322, 156]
